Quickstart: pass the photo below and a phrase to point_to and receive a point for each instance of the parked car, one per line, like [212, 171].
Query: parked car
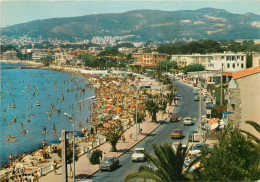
[195, 91]
[208, 100]
[191, 137]
[109, 164]
[176, 133]
[174, 117]
[196, 98]
[138, 155]
[187, 121]
[196, 149]
[210, 105]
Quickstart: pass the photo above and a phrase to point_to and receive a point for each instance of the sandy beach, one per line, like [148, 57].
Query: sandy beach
[114, 105]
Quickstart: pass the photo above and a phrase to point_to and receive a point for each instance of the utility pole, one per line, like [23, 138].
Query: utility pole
[221, 89]
[136, 130]
[64, 156]
[74, 152]
[201, 138]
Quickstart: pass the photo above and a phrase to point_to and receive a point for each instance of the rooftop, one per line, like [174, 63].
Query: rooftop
[246, 72]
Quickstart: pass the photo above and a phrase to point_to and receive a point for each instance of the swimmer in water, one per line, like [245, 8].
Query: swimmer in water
[54, 128]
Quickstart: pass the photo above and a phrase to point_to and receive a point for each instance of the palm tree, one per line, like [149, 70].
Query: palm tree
[153, 108]
[257, 128]
[113, 135]
[140, 117]
[168, 163]
[170, 96]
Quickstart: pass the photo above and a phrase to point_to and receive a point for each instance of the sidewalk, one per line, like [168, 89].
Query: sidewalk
[83, 167]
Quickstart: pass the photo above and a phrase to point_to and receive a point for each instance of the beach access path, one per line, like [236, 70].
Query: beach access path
[83, 167]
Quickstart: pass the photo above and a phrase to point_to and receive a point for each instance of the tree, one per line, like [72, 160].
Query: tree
[193, 67]
[168, 163]
[69, 156]
[140, 117]
[153, 108]
[170, 97]
[234, 158]
[95, 157]
[256, 126]
[216, 112]
[113, 135]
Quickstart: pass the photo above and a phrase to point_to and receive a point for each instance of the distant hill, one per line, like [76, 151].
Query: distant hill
[207, 23]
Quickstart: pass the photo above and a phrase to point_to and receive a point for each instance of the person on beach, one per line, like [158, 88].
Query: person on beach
[54, 165]
[54, 129]
[11, 158]
[43, 144]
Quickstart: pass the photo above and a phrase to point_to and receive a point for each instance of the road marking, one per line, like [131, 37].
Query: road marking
[194, 119]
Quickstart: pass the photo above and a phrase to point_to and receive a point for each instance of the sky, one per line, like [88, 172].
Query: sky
[21, 11]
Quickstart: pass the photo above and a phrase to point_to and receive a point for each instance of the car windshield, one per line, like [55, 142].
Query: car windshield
[176, 131]
[138, 151]
[108, 160]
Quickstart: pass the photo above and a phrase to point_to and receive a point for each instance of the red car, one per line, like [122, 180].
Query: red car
[174, 117]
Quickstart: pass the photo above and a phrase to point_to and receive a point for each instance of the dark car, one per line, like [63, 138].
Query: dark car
[174, 117]
[109, 164]
[191, 136]
[210, 105]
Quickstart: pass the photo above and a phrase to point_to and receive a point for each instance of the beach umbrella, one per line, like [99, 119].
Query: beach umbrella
[109, 107]
[107, 125]
[79, 134]
[100, 116]
[228, 112]
[213, 126]
[54, 142]
[213, 120]
[118, 109]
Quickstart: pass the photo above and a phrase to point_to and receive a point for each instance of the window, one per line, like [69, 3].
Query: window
[234, 65]
[242, 57]
[237, 64]
[228, 58]
[238, 57]
[233, 58]
[222, 64]
[242, 65]
[228, 65]
[222, 57]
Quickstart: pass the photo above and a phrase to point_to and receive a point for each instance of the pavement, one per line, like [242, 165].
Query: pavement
[83, 167]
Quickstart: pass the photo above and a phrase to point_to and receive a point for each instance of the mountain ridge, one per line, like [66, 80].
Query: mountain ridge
[145, 24]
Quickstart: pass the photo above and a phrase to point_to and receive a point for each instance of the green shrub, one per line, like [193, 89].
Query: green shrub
[95, 157]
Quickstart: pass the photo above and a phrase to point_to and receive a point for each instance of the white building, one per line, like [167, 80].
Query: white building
[231, 62]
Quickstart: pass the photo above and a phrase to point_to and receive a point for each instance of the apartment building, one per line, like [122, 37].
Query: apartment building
[149, 59]
[231, 62]
[10, 55]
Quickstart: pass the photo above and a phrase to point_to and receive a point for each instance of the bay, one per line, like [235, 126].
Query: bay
[24, 88]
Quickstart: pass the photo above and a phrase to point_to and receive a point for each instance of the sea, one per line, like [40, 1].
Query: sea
[54, 91]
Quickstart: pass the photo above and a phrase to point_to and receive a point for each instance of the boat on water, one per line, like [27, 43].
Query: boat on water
[13, 106]
[9, 136]
[10, 140]
[38, 103]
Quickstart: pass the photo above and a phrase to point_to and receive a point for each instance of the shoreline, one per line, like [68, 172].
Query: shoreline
[17, 159]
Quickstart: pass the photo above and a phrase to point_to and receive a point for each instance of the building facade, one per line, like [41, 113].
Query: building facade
[256, 60]
[10, 55]
[149, 59]
[244, 98]
[230, 62]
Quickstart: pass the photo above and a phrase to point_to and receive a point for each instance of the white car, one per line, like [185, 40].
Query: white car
[138, 155]
[187, 121]
[208, 100]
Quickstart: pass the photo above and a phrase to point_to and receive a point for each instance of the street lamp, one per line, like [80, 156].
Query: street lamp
[136, 129]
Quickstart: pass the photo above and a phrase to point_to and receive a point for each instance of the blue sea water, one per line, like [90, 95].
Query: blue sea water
[24, 87]
[11, 65]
